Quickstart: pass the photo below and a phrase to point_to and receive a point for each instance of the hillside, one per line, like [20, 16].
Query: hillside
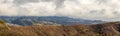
[105, 29]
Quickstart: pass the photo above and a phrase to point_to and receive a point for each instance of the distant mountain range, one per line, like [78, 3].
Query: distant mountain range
[30, 20]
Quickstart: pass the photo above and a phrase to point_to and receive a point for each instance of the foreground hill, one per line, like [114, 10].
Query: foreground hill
[105, 29]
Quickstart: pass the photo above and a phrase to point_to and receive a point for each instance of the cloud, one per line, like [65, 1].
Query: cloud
[19, 2]
[7, 9]
[88, 9]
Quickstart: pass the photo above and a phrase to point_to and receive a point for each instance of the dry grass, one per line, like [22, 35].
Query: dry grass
[3, 25]
[111, 29]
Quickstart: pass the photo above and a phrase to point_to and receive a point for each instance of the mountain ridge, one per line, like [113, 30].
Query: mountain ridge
[30, 20]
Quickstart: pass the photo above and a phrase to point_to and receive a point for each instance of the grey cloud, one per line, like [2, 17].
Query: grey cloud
[59, 3]
[102, 1]
[98, 12]
[24, 1]
[46, 0]
[5, 1]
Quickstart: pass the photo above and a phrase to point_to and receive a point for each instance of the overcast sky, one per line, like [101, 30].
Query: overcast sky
[87, 9]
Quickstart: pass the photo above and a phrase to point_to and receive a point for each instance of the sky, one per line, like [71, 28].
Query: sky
[107, 10]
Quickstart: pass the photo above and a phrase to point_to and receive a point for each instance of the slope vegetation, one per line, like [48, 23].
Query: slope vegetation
[105, 29]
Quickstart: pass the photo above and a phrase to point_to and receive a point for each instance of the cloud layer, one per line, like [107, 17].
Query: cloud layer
[88, 9]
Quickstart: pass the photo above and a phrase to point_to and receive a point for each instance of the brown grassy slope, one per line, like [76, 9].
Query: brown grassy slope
[106, 29]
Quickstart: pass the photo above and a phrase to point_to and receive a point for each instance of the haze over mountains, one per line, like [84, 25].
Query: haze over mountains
[31, 20]
[80, 9]
[108, 10]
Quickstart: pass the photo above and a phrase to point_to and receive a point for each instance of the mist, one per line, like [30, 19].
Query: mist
[107, 10]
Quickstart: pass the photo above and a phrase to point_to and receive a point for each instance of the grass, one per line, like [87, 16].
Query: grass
[79, 30]
[3, 25]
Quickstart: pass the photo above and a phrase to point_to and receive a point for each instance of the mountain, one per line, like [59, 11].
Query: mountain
[30, 20]
[104, 29]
